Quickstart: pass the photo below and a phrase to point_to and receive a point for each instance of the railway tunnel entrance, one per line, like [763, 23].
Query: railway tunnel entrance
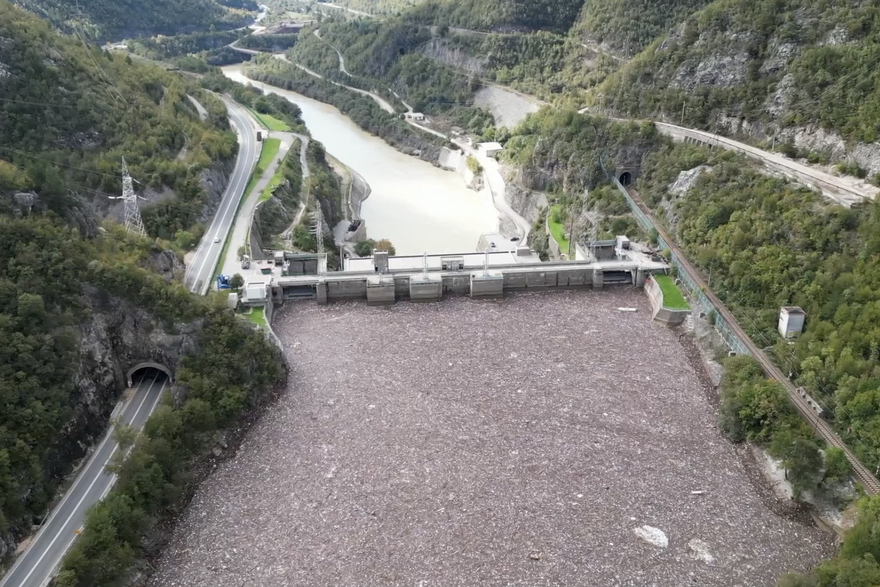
[141, 370]
[625, 178]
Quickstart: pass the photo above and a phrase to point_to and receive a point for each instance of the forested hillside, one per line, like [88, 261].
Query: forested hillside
[80, 305]
[77, 308]
[775, 64]
[386, 57]
[70, 113]
[626, 26]
[768, 243]
[116, 19]
[499, 15]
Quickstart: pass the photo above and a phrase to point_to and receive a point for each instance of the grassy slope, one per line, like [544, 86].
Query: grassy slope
[258, 317]
[279, 175]
[270, 150]
[557, 229]
[672, 297]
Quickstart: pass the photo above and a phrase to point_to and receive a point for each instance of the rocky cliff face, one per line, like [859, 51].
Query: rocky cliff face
[214, 180]
[446, 53]
[527, 203]
[805, 138]
[794, 73]
[116, 337]
[272, 217]
[166, 263]
[76, 212]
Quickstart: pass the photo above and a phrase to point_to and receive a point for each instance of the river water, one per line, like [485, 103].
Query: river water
[415, 205]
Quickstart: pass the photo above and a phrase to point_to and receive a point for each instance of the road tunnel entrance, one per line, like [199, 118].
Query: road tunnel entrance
[146, 369]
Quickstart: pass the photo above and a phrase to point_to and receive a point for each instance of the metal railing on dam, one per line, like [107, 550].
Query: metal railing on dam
[736, 338]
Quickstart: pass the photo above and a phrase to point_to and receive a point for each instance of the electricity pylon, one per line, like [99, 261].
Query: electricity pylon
[318, 231]
[133, 222]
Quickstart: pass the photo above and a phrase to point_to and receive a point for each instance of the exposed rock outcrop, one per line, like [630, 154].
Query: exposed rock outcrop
[272, 217]
[525, 202]
[74, 210]
[166, 263]
[686, 180]
[451, 55]
[115, 337]
[213, 180]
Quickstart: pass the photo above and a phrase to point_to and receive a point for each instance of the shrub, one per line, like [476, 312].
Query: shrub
[837, 467]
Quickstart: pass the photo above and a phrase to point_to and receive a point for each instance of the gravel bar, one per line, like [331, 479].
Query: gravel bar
[543, 439]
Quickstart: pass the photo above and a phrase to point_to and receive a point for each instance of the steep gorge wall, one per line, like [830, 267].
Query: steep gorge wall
[116, 337]
[214, 181]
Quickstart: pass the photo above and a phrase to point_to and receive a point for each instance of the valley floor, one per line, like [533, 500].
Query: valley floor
[523, 441]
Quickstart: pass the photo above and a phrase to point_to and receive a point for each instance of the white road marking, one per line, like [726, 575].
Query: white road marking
[36, 565]
[219, 219]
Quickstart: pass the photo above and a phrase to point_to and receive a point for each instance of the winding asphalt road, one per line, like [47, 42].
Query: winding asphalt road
[200, 272]
[36, 566]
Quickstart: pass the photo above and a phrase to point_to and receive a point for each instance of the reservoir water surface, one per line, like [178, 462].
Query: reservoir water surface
[418, 206]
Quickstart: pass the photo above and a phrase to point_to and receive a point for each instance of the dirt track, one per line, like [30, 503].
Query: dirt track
[516, 442]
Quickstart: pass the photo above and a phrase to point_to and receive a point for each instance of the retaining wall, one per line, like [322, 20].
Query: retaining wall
[668, 316]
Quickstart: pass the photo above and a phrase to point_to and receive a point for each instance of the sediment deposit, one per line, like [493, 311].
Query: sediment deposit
[543, 439]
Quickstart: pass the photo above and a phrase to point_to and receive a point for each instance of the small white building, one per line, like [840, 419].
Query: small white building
[791, 321]
[490, 149]
[416, 116]
[255, 292]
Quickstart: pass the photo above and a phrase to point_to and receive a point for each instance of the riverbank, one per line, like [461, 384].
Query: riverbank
[413, 203]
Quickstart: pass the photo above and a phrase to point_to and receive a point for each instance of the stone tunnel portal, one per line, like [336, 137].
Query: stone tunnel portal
[625, 178]
[135, 373]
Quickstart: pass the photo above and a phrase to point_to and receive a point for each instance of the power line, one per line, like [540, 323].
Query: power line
[101, 72]
[23, 154]
[54, 105]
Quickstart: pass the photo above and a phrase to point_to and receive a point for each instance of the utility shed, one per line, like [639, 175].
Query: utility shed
[255, 292]
[490, 149]
[791, 321]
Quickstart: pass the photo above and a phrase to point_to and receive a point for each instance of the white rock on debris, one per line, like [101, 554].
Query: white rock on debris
[652, 535]
[700, 550]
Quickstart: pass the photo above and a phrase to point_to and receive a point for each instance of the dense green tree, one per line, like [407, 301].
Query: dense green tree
[365, 248]
[385, 245]
[837, 467]
[801, 459]
[112, 19]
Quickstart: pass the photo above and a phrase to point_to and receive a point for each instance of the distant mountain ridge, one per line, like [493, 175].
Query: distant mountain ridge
[69, 112]
[802, 72]
[116, 19]
[499, 15]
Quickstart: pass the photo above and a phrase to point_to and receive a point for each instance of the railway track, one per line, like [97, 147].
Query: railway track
[822, 428]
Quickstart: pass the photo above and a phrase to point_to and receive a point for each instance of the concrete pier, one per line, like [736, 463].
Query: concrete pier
[487, 284]
[425, 288]
[380, 290]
